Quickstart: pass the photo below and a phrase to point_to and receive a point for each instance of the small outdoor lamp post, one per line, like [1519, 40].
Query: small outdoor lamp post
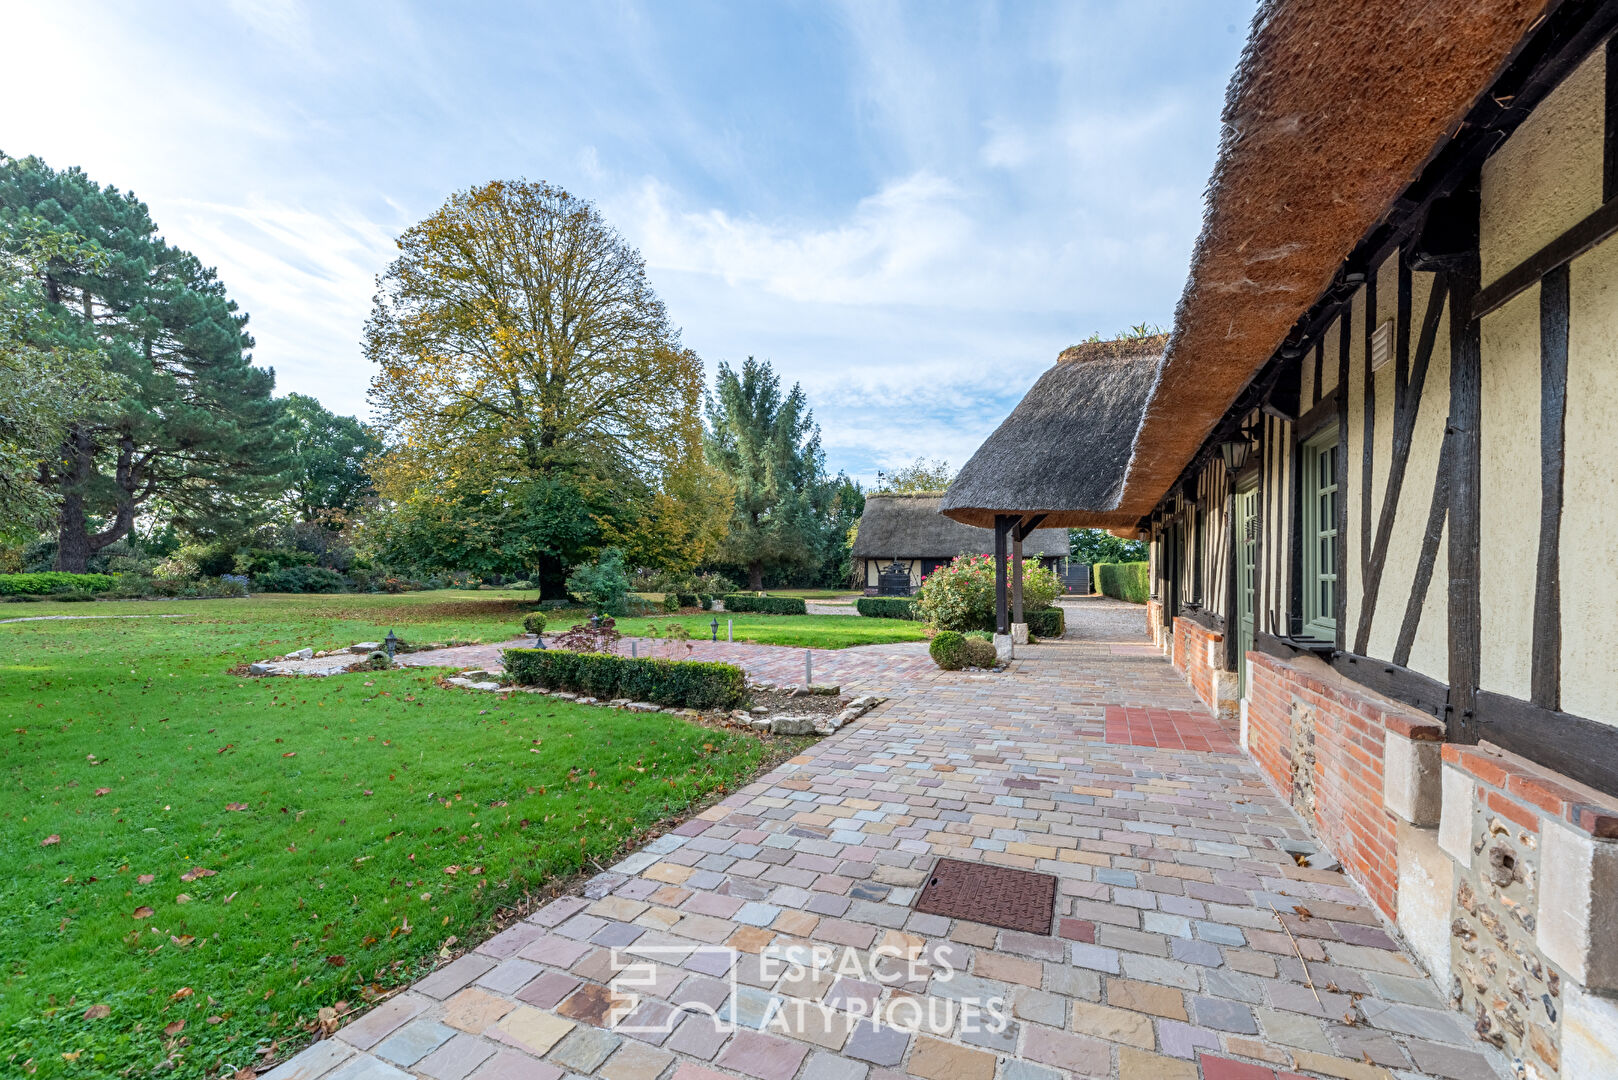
[715, 625]
[595, 622]
[390, 643]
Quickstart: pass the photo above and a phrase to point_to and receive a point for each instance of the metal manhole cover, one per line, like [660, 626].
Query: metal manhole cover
[996, 895]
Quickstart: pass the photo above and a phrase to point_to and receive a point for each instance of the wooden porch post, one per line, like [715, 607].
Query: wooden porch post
[1002, 525]
[1016, 574]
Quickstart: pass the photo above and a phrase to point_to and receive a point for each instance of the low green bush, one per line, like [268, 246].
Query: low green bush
[1123, 581]
[299, 579]
[687, 684]
[691, 599]
[981, 635]
[671, 602]
[705, 601]
[979, 653]
[1047, 622]
[534, 622]
[948, 650]
[53, 581]
[887, 607]
[766, 605]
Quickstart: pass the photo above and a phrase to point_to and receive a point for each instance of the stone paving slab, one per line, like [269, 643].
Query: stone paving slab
[772, 936]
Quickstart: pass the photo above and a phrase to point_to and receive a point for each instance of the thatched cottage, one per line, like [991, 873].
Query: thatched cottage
[1377, 470]
[902, 538]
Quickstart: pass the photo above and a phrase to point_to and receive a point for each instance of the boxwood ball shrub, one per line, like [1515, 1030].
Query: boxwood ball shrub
[887, 607]
[1049, 622]
[671, 602]
[979, 653]
[766, 605]
[52, 581]
[534, 622]
[948, 650]
[684, 684]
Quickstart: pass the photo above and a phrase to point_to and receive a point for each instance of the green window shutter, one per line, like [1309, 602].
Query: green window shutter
[1319, 538]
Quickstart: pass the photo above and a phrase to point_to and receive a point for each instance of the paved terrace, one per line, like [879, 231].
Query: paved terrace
[1178, 950]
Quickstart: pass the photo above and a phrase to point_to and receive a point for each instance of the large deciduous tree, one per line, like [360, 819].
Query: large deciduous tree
[768, 445]
[196, 426]
[923, 474]
[534, 395]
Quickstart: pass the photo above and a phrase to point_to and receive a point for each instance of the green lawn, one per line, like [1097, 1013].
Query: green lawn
[809, 631]
[353, 826]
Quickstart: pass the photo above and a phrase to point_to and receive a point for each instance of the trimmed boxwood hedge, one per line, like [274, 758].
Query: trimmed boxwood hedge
[948, 650]
[1046, 622]
[685, 684]
[766, 605]
[887, 607]
[51, 581]
[1123, 581]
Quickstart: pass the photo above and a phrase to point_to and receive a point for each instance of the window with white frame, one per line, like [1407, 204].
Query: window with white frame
[1320, 494]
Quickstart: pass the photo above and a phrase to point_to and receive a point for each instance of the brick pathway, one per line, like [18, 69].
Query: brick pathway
[1169, 959]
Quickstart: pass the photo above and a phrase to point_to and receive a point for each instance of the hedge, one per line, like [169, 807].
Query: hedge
[686, 684]
[52, 581]
[1046, 622]
[701, 600]
[1123, 581]
[886, 607]
[765, 605]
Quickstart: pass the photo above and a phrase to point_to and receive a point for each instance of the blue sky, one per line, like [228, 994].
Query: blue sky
[909, 208]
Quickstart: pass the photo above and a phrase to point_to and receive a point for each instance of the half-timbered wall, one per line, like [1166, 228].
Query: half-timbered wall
[1465, 375]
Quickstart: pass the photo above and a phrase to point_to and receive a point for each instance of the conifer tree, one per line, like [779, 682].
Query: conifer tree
[196, 426]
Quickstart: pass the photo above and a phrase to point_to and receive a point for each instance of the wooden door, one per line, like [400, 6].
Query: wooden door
[1246, 548]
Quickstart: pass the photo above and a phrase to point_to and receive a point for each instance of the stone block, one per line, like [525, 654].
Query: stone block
[1411, 785]
[1426, 885]
[1578, 905]
[1455, 821]
[1004, 647]
[1019, 633]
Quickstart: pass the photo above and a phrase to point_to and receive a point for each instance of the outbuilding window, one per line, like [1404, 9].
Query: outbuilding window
[1319, 472]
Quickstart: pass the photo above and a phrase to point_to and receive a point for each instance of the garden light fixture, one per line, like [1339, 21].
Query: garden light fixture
[390, 643]
[716, 628]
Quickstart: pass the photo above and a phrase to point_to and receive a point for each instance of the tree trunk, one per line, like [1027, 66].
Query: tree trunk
[72, 536]
[755, 575]
[552, 582]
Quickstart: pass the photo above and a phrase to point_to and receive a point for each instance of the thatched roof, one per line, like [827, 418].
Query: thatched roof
[1333, 110]
[1065, 448]
[910, 527]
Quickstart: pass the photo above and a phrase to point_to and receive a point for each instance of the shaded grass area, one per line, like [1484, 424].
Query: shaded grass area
[805, 631]
[213, 859]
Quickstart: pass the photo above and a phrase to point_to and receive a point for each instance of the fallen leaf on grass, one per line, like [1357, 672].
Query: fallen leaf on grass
[100, 791]
[182, 899]
[143, 912]
[98, 1012]
[328, 1020]
[174, 1028]
[181, 994]
[183, 940]
[290, 753]
[235, 806]
[146, 879]
[53, 838]
[452, 869]
[197, 872]
[337, 961]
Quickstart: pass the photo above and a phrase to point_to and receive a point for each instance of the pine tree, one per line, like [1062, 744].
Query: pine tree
[196, 426]
[768, 446]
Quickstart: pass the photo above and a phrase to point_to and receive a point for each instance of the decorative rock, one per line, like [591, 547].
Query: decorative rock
[618, 702]
[484, 685]
[642, 706]
[301, 654]
[565, 696]
[759, 710]
[783, 724]
[363, 647]
[261, 669]
[456, 680]
[587, 701]
[829, 690]
[759, 723]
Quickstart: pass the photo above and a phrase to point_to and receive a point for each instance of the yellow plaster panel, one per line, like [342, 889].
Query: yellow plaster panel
[1589, 550]
[1429, 654]
[1547, 176]
[1509, 525]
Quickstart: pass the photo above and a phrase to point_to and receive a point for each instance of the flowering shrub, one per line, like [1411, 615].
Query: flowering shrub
[960, 596]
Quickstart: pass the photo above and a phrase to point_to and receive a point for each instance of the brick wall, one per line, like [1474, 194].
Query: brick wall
[1319, 738]
[1199, 654]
